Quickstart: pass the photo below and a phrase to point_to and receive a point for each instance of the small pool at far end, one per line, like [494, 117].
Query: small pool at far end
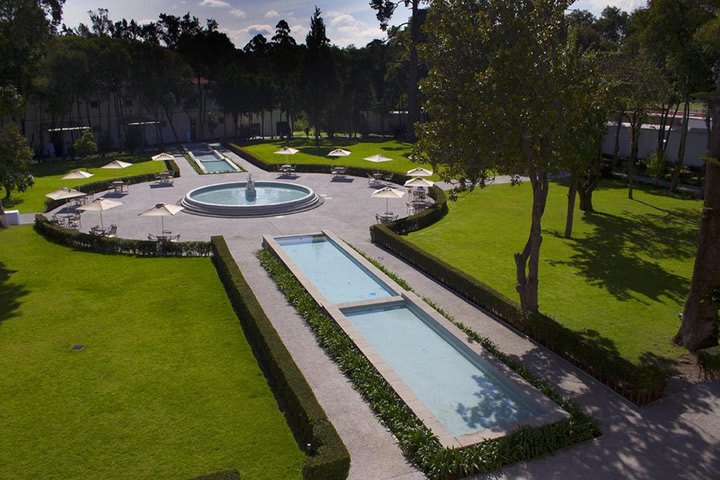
[338, 277]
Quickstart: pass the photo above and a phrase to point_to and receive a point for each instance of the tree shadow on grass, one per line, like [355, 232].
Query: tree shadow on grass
[623, 253]
[10, 294]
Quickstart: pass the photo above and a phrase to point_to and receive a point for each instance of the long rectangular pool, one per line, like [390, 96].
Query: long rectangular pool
[454, 386]
[211, 161]
[461, 389]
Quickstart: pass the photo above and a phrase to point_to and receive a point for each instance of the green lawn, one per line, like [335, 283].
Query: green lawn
[48, 177]
[310, 154]
[624, 275]
[166, 388]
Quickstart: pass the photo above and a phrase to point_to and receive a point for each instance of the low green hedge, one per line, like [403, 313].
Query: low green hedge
[709, 361]
[423, 218]
[143, 248]
[101, 186]
[328, 459]
[309, 168]
[418, 443]
[639, 383]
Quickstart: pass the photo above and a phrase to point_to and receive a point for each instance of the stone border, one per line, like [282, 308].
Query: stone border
[448, 331]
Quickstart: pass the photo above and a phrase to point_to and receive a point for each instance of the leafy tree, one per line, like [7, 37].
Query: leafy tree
[318, 73]
[384, 11]
[699, 326]
[85, 145]
[586, 111]
[498, 88]
[15, 157]
[638, 84]
[667, 33]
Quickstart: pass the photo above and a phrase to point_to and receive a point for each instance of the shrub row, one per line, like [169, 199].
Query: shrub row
[423, 218]
[418, 443]
[639, 383]
[709, 361]
[327, 456]
[143, 248]
[103, 185]
[309, 167]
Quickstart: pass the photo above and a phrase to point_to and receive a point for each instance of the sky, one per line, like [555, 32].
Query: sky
[348, 22]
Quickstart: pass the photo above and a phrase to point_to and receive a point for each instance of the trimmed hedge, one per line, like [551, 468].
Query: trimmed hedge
[101, 186]
[638, 383]
[142, 248]
[709, 361]
[309, 168]
[419, 445]
[328, 459]
[423, 218]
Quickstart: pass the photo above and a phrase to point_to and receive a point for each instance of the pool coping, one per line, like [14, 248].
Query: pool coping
[450, 332]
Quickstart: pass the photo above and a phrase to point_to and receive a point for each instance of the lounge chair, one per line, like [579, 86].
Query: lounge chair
[112, 231]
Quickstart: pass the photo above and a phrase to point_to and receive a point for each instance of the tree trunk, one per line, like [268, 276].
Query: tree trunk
[413, 107]
[700, 316]
[527, 262]
[172, 126]
[616, 148]
[681, 149]
[635, 133]
[272, 137]
[572, 193]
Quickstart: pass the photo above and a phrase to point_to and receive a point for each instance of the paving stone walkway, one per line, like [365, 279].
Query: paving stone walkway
[676, 437]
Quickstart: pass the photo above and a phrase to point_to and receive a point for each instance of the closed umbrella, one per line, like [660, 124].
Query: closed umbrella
[100, 205]
[65, 193]
[163, 156]
[419, 182]
[339, 152]
[287, 151]
[77, 174]
[117, 164]
[377, 158]
[161, 210]
[419, 172]
[387, 193]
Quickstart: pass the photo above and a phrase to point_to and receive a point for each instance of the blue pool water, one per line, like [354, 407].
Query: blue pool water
[462, 390]
[338, 277]
[210, 161]
[234, 194]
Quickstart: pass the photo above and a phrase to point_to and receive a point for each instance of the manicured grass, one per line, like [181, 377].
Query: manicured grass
[48, 177]
[166, 387]
[623, 278]
[310, 154]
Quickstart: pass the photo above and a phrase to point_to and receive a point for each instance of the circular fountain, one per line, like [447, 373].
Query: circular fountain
[250, 199]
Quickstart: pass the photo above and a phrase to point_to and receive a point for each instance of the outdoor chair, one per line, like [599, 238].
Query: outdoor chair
[112, 231]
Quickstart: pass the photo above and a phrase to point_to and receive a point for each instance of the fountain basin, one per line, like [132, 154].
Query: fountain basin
[231, 199]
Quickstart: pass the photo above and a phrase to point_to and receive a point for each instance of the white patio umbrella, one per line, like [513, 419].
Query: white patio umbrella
[419, 182]
[287, 151]
[77, 174]
[65, 193]
[100, 205]
[377, 158]
[387, 193]
[117, 164]
[339, 152]
[161, 210]
[163, 156]
[419, 172]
